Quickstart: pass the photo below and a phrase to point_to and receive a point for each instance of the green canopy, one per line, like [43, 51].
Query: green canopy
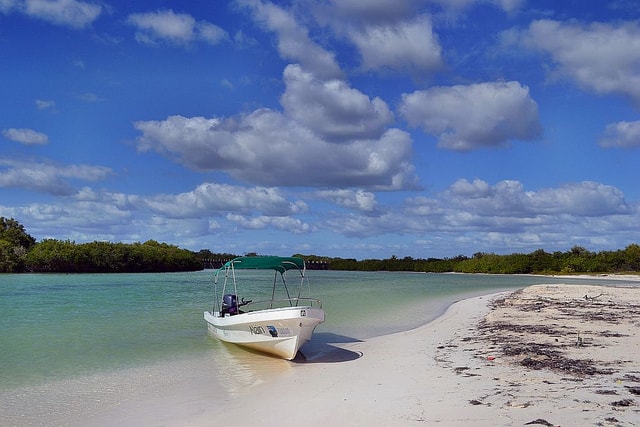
[280, 264]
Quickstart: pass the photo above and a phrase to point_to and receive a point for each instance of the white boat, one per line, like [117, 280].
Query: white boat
[277, 326]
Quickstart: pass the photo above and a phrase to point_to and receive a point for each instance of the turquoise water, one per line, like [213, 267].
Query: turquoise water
[55, 327]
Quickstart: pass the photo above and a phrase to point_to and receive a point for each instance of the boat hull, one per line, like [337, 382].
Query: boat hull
[279, 331]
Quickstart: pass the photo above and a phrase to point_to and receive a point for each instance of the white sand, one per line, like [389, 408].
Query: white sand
[446, 373]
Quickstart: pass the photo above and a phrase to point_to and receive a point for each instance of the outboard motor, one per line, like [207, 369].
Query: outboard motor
[229, 304]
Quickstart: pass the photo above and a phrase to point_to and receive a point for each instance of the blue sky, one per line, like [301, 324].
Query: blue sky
[342, 128]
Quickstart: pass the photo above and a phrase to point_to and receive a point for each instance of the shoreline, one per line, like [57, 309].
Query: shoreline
[360, 383]
[450, 371]
[596, 276]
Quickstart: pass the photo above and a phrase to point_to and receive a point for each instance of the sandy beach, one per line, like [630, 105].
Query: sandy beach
[554, 355]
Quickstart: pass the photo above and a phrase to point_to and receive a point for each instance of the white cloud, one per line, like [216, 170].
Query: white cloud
[369, 11]
[331, 109]
[508, 198]
[350, 13]
[188, 219]
[299, 147]
[294, 42]
[178, 28]
[6, 6]
[226, 84]
[46, 177]
[90, 97]
[81, 221]
[506, 5]
[267, 148]
[423, 207]
[83, 172]
[509, 5]
[72, 13]
[216, 199]
[284, 223]
[469, 216]
[211, 33]
[621, 134]
[504, 217]
[390, 35]
[474, 116]
[25, 136]
[402, 45]
[122, 201]
[359, 200]
[163, 25]
[42, 104]
[475, 189]
[243, 41]
[604, 58]
[584, 199]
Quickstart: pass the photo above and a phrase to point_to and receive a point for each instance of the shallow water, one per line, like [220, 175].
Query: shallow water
[58, 327]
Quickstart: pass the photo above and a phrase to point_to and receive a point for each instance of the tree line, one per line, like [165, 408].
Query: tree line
[104, 257]
[576, 260]
[20, 252]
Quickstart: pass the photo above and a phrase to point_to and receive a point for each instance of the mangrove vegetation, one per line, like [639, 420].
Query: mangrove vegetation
[20, 252]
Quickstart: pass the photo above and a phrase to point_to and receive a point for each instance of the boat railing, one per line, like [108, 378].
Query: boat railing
[281, 303]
